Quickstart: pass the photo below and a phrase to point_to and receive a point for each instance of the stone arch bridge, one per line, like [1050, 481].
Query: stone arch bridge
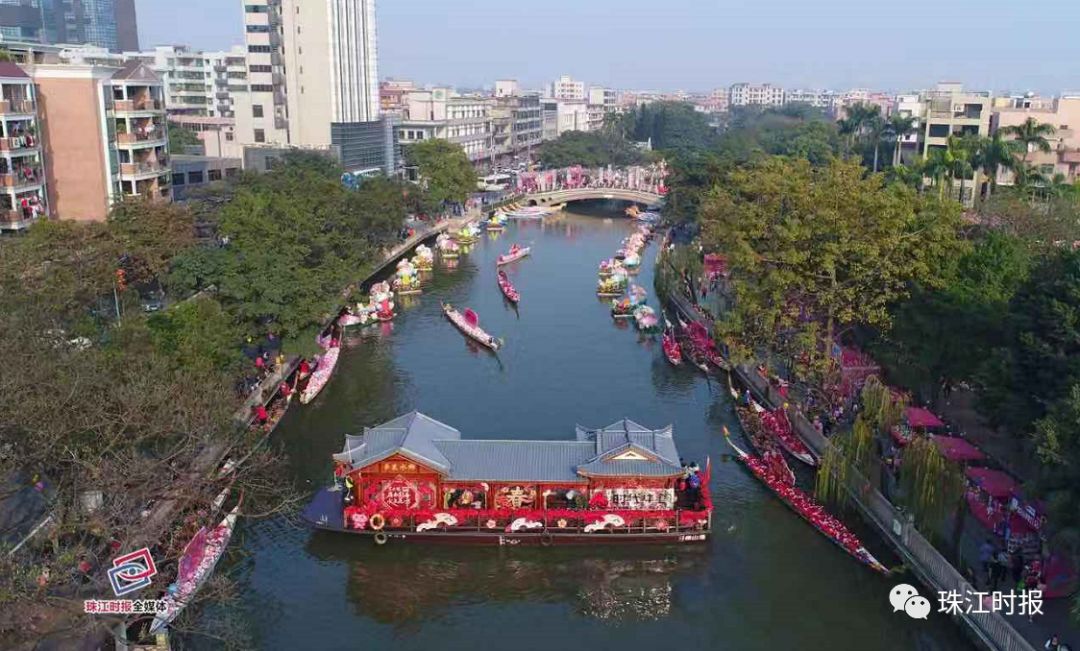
[555, 197]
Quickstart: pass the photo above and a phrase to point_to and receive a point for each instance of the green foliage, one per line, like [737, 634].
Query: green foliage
[848, 460]
[946, 332]
[198, 334]
[590, 149]
[932, 487]
[180, 138]
[799, 132]
[880, 407]
[1050, 223]
[815, 250]
[673, 127]
[445, 170]
[296, 237]
[1040, 359]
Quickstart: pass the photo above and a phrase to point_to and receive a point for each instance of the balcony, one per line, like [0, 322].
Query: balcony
[16, 107]
[131, 105]
[18, 143]
[140, 138]
[14, 220]
[29, 178]
[145, 167]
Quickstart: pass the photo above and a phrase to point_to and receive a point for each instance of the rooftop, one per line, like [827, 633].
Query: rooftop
[622, 449]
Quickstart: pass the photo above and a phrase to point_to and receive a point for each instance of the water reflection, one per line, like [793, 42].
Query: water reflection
[404, 584]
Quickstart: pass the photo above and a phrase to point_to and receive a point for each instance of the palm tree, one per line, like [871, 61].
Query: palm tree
[938, 165]
[876, 128]
[996, 153]
[860, 118]
[1032, 134]
[910, 175]
[900, 126]
[963, 150]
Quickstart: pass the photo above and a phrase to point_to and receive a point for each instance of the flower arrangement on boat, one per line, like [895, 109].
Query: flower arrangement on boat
[448, 247]
[609, 266]
[622, 308]
[637, 295]
[516, 253]
[646, 319]
[424, 260]
[380, 292]
[497, 222]
[406, 281]
[777, 424]
[611, 286]
[632, 261]
[468, 234]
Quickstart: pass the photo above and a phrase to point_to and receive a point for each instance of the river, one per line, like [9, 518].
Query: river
[765, 580]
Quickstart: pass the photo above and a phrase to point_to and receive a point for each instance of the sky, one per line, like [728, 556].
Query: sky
[695, 45]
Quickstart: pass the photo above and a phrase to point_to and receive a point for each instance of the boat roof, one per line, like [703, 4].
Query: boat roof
[622, 449]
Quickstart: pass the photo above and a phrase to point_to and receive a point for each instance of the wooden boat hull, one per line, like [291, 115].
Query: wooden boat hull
[320, 378]
[481, 337]
[610, 295]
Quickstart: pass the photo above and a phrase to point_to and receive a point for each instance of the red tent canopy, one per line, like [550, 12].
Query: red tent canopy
[995, 483]
[957, 449]
[919, 417]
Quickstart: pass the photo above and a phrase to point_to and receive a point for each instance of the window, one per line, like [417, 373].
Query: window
[214, 175]
[261, 68]
[262, 88]
[228, 136]
[195, 177]
[256, 9]
[256, 110]
[260, 135]
[260, 49]
[230, 172]
[178, 178]
[258, 29]
[939, 131]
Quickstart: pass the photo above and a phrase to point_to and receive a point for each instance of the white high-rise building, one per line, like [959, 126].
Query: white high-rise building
[757, 95]
[568, 89]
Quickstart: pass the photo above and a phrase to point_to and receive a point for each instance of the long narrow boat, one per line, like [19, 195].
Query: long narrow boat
[671, 348]
[807, 509]
[516, 253]
[777, 424]
[507, 288]
[762, 442]
[321, 375]
[196, 565]
[470, 326]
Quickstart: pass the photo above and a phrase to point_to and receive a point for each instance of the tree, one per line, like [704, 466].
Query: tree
[445, 170]
[815, 250]
[900, 126]
[1057, 439]
[590, 149]
[1032, 134]
[180, 138]
[994, 154]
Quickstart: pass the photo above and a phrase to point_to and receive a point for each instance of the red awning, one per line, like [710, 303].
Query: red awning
[919, 417]
[995, 483]
[957, 449]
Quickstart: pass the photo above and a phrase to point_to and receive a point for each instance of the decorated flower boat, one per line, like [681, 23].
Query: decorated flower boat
[632, 260]
[637, 295]
[507, 288]
[448, 247]
[806, 508]
[762, 442]
[468, 234]
[516, 253]
[529, 212]
[469, 324]
[196, 565]
[622, 308]
[424, 260]
[321, 375]
[646, 320]
[609, 267]
[776, 423]
[407, 281]
[351, 318]
[671, 348]
[496, 223]
[610, 287]
[380, 292]
[416, 479]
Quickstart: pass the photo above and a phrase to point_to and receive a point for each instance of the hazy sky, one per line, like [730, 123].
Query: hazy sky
[695, 44]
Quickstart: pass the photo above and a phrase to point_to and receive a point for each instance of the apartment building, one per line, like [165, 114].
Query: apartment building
[1062, 113]
[910, 106]
[572, 116]
[949, 110]
[104, 136]
[198, 83]
[437, 113]
[506, 87]
[392, 94]
[549, 118]
[262, 112]
[23, 196]
[566, 88]
[744, 94]
[606, 98]
[821, 99]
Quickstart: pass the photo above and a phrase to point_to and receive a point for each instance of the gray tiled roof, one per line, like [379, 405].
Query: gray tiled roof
[136, 70]
[515, 460]
[441, 447]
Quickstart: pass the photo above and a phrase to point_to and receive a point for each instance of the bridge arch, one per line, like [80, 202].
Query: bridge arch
[555, 197]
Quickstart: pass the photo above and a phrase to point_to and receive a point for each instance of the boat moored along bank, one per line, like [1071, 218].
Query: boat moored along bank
[415, 478]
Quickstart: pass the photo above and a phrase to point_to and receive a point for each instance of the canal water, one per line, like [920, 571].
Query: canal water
[765, 580]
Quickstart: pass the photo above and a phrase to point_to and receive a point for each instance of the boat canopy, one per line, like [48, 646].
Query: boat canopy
[994, 483]
[957, 449]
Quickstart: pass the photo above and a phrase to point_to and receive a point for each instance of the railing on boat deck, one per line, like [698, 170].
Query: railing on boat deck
[897, 527]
